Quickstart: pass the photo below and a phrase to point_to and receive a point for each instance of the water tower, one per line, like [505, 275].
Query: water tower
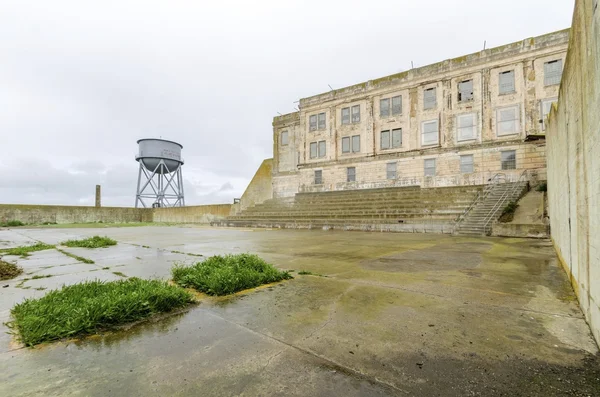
[160, 182]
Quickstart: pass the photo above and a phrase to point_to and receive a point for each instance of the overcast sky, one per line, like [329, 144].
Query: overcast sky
[82, 81]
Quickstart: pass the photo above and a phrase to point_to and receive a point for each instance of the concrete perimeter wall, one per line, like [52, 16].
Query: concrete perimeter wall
[203, 214]
[573, 139]
[260, 188]
[38, 214]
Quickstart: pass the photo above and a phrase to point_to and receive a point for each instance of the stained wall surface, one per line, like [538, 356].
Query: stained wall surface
[574, 162]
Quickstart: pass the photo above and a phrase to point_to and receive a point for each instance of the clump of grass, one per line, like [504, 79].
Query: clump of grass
[307, 273]
[12, 224]
[37, 276]
[91, 306]
[542, 187]
[92, 242]
[9, 270]
[120, 274]
[224, 275]
[76, 257]
[508, 212]
[24, 251]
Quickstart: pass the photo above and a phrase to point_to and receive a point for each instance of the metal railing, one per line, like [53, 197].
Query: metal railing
[508, 194]
[481, 196]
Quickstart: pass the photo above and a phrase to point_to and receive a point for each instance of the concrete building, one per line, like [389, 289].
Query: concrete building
[456, 122]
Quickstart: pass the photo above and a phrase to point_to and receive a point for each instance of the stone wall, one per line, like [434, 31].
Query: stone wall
[201, 214]
[574, 162]
[39, 214]
[260, 188]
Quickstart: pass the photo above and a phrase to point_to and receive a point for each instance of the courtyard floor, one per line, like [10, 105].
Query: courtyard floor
[384, 315]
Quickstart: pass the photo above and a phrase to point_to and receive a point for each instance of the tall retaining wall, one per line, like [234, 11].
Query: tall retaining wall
[38, 214]
[203, 214]
[573, 147]
[260, 188]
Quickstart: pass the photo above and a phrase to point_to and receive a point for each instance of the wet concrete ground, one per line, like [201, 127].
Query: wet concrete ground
[396, 314]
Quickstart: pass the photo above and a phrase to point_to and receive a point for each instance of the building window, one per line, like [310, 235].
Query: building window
[322, 124]
[391, 139]
[318, 177]
[429, 133]
[507, 82]
[346, 116]
[507, 121]
[553, 72]
[466, 164]
[391, 170]
[351, 144]
[351, 174]
[465, 91]
[509, 160]
[313, 122]
[429, 98]
[546, 105]
[284, 138]
[391, 106]
[356, 114]
[429, 167]
[317, 149]
[466, 127]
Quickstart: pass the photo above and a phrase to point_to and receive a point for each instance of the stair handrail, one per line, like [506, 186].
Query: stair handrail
[490, 217]
[481, 195]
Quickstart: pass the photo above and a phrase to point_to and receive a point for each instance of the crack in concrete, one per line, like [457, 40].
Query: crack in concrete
[332, 311]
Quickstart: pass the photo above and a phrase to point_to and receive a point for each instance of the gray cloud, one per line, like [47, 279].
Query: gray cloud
[81, 81]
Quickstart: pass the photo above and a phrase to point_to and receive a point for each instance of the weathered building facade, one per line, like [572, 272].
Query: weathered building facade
[457, 122]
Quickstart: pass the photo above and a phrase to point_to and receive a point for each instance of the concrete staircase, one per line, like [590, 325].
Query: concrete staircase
[406, 209]
[489, 206]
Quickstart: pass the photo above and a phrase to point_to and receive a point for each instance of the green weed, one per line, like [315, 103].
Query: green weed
[91, 306]
[307, 273]
[12, 224]
[24, 251]
[9, 270]
[542, 187]
[37, 276]
[92, 242]
[224, 275]
[508, 212]
[120, 274]
[76, 257]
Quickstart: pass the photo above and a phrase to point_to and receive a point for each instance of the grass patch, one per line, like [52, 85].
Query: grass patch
[120, 274]
[92, 242]
[37, 277]
[9, 270]
[25, 250]
[12, 224]
[76, 257]
[91, 306]
[508, 213]
[224, 275]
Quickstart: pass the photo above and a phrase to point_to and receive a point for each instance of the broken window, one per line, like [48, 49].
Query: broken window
[351, 174]
[507, 121]
[509, 160]
[429, 98]
[429, 133]
[346, 144]
[465, 91]
[346, 116]
[466, 164]
[429, 167]
[322, 124]
[318, 177]
[384, 108]
[313, 150]
[322, 149]
[552, 72]
[313, 122]
[356, 114]
[284, 138]
[507, 82]
[466, 127]
[391, 170]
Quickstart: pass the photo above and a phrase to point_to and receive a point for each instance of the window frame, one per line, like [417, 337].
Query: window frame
[471, 164]
[517, 120]
[434, 96]
[393, 172]
[399, 112]
[312, 126]
[504, 164]
[348, 173]
[390, 109]
[319, 180]
[324, 154]
[324, 121]
[437, 139]
[355, 139]
[347, 139]
[284, 142]
[470, 98]
[426, 168]
[347, 122]
[543, 110]
[310, 152]
[547, 77]
[514, 84]
[390, 139]
[387, 108]
[352, 114]
[473, 117]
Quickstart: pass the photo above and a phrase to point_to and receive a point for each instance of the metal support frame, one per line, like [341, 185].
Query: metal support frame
[163, 187]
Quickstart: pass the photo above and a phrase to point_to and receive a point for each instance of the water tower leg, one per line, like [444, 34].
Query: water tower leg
[137, 194]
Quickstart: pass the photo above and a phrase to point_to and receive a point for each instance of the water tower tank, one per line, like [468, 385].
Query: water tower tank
[152, 151]
[160, 182]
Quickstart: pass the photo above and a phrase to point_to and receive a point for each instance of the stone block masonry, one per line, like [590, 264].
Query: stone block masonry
[574, 162]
